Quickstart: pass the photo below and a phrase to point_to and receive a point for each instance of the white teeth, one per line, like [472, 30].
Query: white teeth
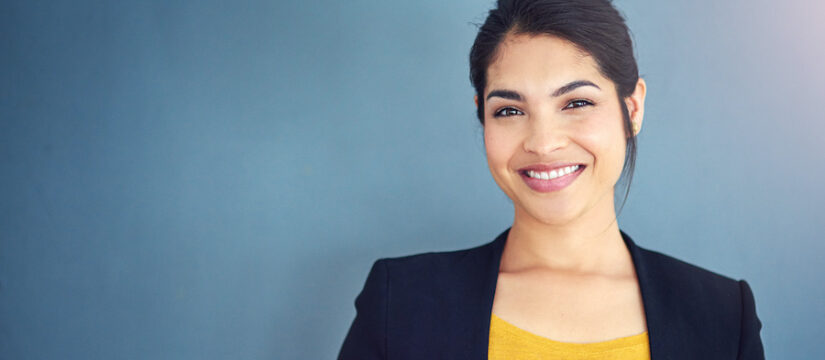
[552, 174]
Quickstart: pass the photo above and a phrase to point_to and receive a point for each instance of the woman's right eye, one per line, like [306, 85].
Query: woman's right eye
[507, 111]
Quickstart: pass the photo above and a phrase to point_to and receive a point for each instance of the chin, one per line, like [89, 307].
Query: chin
[555, 215]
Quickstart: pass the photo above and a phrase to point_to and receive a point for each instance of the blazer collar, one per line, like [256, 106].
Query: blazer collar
[487, 261]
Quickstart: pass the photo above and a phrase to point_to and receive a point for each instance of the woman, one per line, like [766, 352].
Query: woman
[560, 100]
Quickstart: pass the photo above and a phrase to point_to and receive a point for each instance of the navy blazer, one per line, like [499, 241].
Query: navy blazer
[438, 306]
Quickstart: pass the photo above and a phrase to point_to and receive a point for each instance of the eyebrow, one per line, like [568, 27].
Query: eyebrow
[506, 94]
[573, 85]
[513, 95]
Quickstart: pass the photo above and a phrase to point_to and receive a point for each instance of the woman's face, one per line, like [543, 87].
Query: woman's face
[553, 129]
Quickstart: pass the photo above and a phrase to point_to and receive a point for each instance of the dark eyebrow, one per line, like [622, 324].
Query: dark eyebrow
[507, 94]
[572, 86]
[512, 95]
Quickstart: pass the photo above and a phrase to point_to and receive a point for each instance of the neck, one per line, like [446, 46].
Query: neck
[590, 243]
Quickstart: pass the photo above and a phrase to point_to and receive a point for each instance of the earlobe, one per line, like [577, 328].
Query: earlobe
[636, 128]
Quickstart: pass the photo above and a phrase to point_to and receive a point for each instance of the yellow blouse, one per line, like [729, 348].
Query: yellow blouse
[510, 342]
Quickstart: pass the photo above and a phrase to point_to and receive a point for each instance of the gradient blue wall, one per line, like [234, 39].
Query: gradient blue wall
[212, 180]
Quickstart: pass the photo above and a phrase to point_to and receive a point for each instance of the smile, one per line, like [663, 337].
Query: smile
[543, 179]
[547, 175]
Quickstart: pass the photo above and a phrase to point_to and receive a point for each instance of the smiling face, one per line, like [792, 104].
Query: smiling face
[553, 130]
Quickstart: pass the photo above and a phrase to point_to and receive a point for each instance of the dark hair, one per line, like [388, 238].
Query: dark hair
[595, 26]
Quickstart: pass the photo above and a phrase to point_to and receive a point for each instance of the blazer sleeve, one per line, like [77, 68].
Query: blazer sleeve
[750, 344]
[367, 337]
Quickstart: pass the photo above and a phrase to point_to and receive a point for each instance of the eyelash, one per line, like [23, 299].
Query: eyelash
[571, 105]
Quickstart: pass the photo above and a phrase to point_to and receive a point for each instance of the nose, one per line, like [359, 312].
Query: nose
[546, 134]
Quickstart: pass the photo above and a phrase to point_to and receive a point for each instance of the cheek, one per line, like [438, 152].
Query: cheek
[603, 136]
[499, 146]
[613, 159]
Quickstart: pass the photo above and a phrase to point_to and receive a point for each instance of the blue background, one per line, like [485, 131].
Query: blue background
[213, 180]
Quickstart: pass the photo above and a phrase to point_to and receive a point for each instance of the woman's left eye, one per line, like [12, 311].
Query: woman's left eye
[577, 104]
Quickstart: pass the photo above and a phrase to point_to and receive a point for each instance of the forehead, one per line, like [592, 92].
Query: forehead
[524, 61]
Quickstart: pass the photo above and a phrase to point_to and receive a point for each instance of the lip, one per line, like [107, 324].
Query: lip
[550, 185]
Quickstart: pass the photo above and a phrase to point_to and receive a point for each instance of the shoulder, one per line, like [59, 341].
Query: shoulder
[441, 268]
[667, 267]
[686, 305]
[406, 299]
[436, 282]
[693, 288]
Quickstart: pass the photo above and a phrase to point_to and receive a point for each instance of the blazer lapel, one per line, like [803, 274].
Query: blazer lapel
[654, 294]
[475, 302]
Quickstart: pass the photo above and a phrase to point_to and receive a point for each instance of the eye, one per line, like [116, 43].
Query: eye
[507, 111]
[577, 104]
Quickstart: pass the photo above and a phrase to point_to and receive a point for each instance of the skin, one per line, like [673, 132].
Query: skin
[565, 272]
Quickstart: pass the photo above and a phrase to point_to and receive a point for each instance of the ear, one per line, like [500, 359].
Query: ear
[636, 105]
[475, 98]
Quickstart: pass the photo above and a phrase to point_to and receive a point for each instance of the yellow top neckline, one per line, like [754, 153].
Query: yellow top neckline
[613, 344]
